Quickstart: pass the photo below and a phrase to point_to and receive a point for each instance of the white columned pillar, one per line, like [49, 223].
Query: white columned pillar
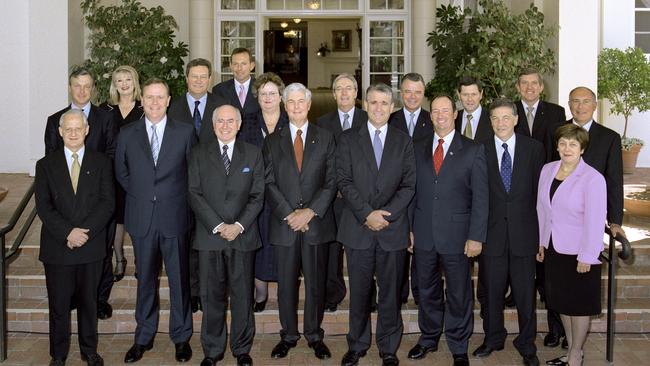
[423, 17]
[202, 29]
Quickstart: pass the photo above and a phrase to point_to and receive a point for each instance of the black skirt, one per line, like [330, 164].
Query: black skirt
[567, 291]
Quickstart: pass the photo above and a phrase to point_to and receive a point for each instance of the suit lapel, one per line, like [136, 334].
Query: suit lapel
[539, 118]
[493, 161]
[387, 152]
[336, 123]
[311, 139]
[455, 146]
[214, 157]
[519, 163]
[287, 146]
[358, 119]
[64, 179]
[427, 156]
[238, 158]
[143, 139]
[168, 136]
[366, 147]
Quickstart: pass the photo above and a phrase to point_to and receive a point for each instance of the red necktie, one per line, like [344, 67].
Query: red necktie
[298, 149]
[438, 156]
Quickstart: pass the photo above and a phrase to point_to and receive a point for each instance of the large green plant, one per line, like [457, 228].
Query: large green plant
[624, 79]
[491, 45]
[131, 34]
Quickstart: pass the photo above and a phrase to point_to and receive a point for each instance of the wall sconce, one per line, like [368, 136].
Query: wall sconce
[323, 50]
[284, 25]
[297, 20]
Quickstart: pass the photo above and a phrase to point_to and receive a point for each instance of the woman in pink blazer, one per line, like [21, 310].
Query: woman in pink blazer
[571, 209]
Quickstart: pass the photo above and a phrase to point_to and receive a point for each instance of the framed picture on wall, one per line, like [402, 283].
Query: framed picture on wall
[341, 40]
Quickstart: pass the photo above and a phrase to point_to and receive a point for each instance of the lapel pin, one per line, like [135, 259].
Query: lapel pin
[451, 153]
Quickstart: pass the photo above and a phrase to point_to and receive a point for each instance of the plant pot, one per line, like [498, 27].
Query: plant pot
[636, 199]
[629, 159]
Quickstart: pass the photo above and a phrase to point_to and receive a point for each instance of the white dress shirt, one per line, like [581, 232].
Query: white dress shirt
[160, 129]
[476, 116]
[446, 144]
[68, 157]
[342, 116]
[587, 125]
[293, 129]
[511, 148]
[382, 134]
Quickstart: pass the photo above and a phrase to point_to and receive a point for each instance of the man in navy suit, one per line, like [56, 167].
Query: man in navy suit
[238, 91]
[450, 212]
[151, 164]
[472, 122]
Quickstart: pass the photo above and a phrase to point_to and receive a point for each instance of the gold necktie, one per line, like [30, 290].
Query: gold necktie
[74, 173]
[468, 127]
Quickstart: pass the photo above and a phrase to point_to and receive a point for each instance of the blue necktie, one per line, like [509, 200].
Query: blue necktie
[155, 145]
[197, 116]
[506, 168]
[377, 147]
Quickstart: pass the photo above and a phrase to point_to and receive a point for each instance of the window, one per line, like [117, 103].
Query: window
[387, 47]
[234, 34]
[642, 25]
[237, 4]
[312, 5]
[386, 4]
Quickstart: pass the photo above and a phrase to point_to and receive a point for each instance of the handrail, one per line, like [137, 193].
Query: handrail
[626, 248]
[19, 211]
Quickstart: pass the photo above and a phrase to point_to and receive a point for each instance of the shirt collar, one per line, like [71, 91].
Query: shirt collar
[511, 142]
[85, 108]
[160, 126]
[349, 113]
[293, 128]
[448, 138]
[191, 99]
[476, 115]
[416, 113]
[231, 145]
[587, 125]
[372, 129]
[80, 153]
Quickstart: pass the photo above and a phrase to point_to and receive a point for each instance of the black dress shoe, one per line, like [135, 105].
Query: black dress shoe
[560, 361]
[195, 303]
[211, 361]
[552, 340]
[331, 308]
[104, 310]
[258, 307]
[57, 362]
[244, 360]
[389, 359]
[320, 350]
[531, 360]
[136, 352]
[461, 360]
[565, 343]
[418, 351]
[282, 349]
[183, 351]
[120, 269]
[92, 360]
[351, 358]
[484, 350]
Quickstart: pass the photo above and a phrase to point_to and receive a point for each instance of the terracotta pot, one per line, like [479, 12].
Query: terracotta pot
[636, 206]
[629, 159]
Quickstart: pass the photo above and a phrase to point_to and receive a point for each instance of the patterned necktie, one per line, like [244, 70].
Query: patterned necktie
[438, 156]
[298, 149]
[412, 124]
[226, 159]
[506, 168]
[74, 172]
[377, 147]
[242, 95]
[346, 121]
[530, 118]
[468, 127]
[155, 145]
[197, 116]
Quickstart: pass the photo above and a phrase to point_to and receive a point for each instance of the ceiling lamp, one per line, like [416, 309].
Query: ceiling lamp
[297, 20]
[284, 24]
[313, 4]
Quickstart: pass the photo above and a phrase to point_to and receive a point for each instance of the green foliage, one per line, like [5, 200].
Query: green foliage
[624, 79]
[131, 34]
[492, 45]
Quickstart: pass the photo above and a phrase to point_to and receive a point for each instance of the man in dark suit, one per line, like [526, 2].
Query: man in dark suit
[226, 183]
[195, 108]
[376, 176]
[151, 164]
[543, 117]
[344, 117]
[514, 162]
[75, 200]
[450, 212]
[300, 187]
[101, 138]
[238, 91]
[470, 93]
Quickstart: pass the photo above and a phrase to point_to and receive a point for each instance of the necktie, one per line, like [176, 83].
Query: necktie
[155, 145]
[468, 127]
[530, 118]
[377, 147]
[298, 149]
[242, 95]
[197, 116]
[346, 121]
[74, 172]
[412, 124]
[226, 159]
[506, 168]
[438, 156]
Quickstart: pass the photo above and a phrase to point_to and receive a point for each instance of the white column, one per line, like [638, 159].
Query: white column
[202, 29]
[423, 17]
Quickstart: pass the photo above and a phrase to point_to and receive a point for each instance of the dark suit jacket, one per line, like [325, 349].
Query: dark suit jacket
[251, 129]
[451, 207]
[225, 94]
[314, 187]
[61, 210]
[179, 111]
[513, 215]
[366, 188]
[484, 131]
[216, 197]
[147, 185]
[101, 136]
[423, 126]
[548, 118]
[331, 122]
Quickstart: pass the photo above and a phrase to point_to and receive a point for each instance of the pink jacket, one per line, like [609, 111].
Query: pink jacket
[576, 216]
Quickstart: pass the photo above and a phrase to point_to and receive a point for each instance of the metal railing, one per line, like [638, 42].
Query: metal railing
[610, 257]
[3, 259]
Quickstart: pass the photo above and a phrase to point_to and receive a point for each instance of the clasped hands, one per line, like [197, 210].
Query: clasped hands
[77, 238]
[376, 221]
[299, 219]
[229, 231]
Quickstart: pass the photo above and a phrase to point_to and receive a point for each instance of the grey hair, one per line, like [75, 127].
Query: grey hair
[345, 75]
[380, 88]
[295, 87]
[503, 102]
[593, 95]
[74, 112]
[237, 111]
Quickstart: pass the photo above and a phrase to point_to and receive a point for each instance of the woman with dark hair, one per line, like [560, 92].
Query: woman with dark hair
[124, 106]
[571, 208]
[270, 118]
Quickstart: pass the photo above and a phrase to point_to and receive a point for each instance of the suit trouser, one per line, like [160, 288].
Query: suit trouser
[388, 267]
[495, 272]
[106, 280]
[552, 317]
[312, 260]
[226, 272]
[335, 283]
[410, 275]
[456, 315]
[174, 253]
[65, 283]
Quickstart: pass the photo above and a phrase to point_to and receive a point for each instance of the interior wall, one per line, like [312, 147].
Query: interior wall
[321, 69]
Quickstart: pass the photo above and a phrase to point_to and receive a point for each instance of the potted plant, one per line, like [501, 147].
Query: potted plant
[624, 79]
